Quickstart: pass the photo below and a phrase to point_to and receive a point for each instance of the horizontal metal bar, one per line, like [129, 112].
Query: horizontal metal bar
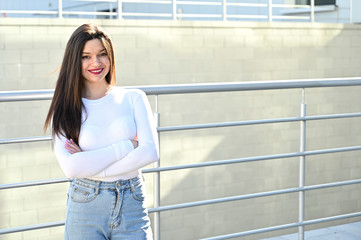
[256, 231]
[291, 17]
[9, 96]
[331, 150]
[333, 184]
[32, 227]
[198, 3]
[146, 1]
[221, 162]
[90, 13]
[107, 1]
[333, 218]
[147, 14]
[202, 126]
[200, 15]
[252, 195]
[253, 122]
[285, 226]
[37, 183]
[222, 200]
[28, 12]
[332, 116]
[252, 159]
[29, 95]
[290, 6]
[249, 86]
[33, 183]
[25, 140]
[247, 16]
[246, 4]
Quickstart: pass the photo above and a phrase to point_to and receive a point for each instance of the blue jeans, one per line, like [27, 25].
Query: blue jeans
[107, 210]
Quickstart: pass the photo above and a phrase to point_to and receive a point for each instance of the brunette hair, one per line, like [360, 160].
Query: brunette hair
[65, 112]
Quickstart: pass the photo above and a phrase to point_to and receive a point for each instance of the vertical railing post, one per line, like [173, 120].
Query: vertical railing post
[302, 170]
[351, 11]
[156, 224]
[60, 9]
[224, 12]
[312, 10]
[174, 9]
[270, 10]
[120, 9]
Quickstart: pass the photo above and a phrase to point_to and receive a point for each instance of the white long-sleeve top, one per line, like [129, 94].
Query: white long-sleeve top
[108, 125]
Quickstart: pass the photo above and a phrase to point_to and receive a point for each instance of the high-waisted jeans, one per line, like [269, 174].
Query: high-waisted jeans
[107, 210]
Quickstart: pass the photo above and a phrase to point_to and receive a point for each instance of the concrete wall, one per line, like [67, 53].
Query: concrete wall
[169, 52]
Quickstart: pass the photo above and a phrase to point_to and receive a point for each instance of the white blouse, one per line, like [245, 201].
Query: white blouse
[109, 123]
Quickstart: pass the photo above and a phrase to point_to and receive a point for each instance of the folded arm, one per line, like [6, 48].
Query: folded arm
[88, 163]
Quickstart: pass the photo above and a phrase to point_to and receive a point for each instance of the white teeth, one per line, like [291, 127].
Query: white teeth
[97, 71]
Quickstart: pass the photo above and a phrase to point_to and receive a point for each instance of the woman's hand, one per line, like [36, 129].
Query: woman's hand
[72, 147]
[135, 143]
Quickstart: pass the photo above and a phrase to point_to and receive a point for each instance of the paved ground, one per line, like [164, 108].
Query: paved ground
[350, 231]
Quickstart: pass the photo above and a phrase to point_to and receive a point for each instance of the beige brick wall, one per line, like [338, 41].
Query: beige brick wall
[171, 52]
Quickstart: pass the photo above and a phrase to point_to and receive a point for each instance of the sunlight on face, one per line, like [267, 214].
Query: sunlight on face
[95, 62]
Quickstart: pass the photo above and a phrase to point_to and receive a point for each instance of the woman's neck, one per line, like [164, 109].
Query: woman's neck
[96, 91]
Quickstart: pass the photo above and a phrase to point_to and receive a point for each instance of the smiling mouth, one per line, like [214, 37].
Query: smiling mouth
[96, 71]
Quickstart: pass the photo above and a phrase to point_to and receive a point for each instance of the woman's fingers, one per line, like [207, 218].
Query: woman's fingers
[72, 147]
[135, 143]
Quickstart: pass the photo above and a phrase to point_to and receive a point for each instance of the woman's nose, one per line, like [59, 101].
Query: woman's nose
[96, 61]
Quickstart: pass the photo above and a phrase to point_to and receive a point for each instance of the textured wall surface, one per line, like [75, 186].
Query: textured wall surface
[170, 52]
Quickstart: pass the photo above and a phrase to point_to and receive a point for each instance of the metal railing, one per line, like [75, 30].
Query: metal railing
[175, 9]
[208, 88]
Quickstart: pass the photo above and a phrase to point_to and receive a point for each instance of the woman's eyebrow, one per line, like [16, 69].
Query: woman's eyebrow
[99, 51]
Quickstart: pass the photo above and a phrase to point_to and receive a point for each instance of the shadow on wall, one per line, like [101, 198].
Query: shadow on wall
[319, 54]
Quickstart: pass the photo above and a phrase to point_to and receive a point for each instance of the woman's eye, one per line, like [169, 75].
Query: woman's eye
[85, 57]
[103, 54]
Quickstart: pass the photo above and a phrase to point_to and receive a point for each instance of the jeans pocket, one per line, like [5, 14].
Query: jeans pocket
[82, 194]
[138, 191]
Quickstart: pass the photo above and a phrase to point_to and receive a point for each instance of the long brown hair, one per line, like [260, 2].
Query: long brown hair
[65, 112]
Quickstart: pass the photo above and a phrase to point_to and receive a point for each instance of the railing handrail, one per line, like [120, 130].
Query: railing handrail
[174, 14]
[46, 94]
[32, 95]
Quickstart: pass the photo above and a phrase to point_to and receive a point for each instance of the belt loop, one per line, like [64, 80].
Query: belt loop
[97, 188]
[131, 185]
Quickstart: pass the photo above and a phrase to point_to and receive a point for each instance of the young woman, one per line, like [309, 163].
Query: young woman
[103, 135]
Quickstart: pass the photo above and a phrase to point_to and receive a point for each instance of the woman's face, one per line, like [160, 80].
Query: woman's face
[95, 61]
